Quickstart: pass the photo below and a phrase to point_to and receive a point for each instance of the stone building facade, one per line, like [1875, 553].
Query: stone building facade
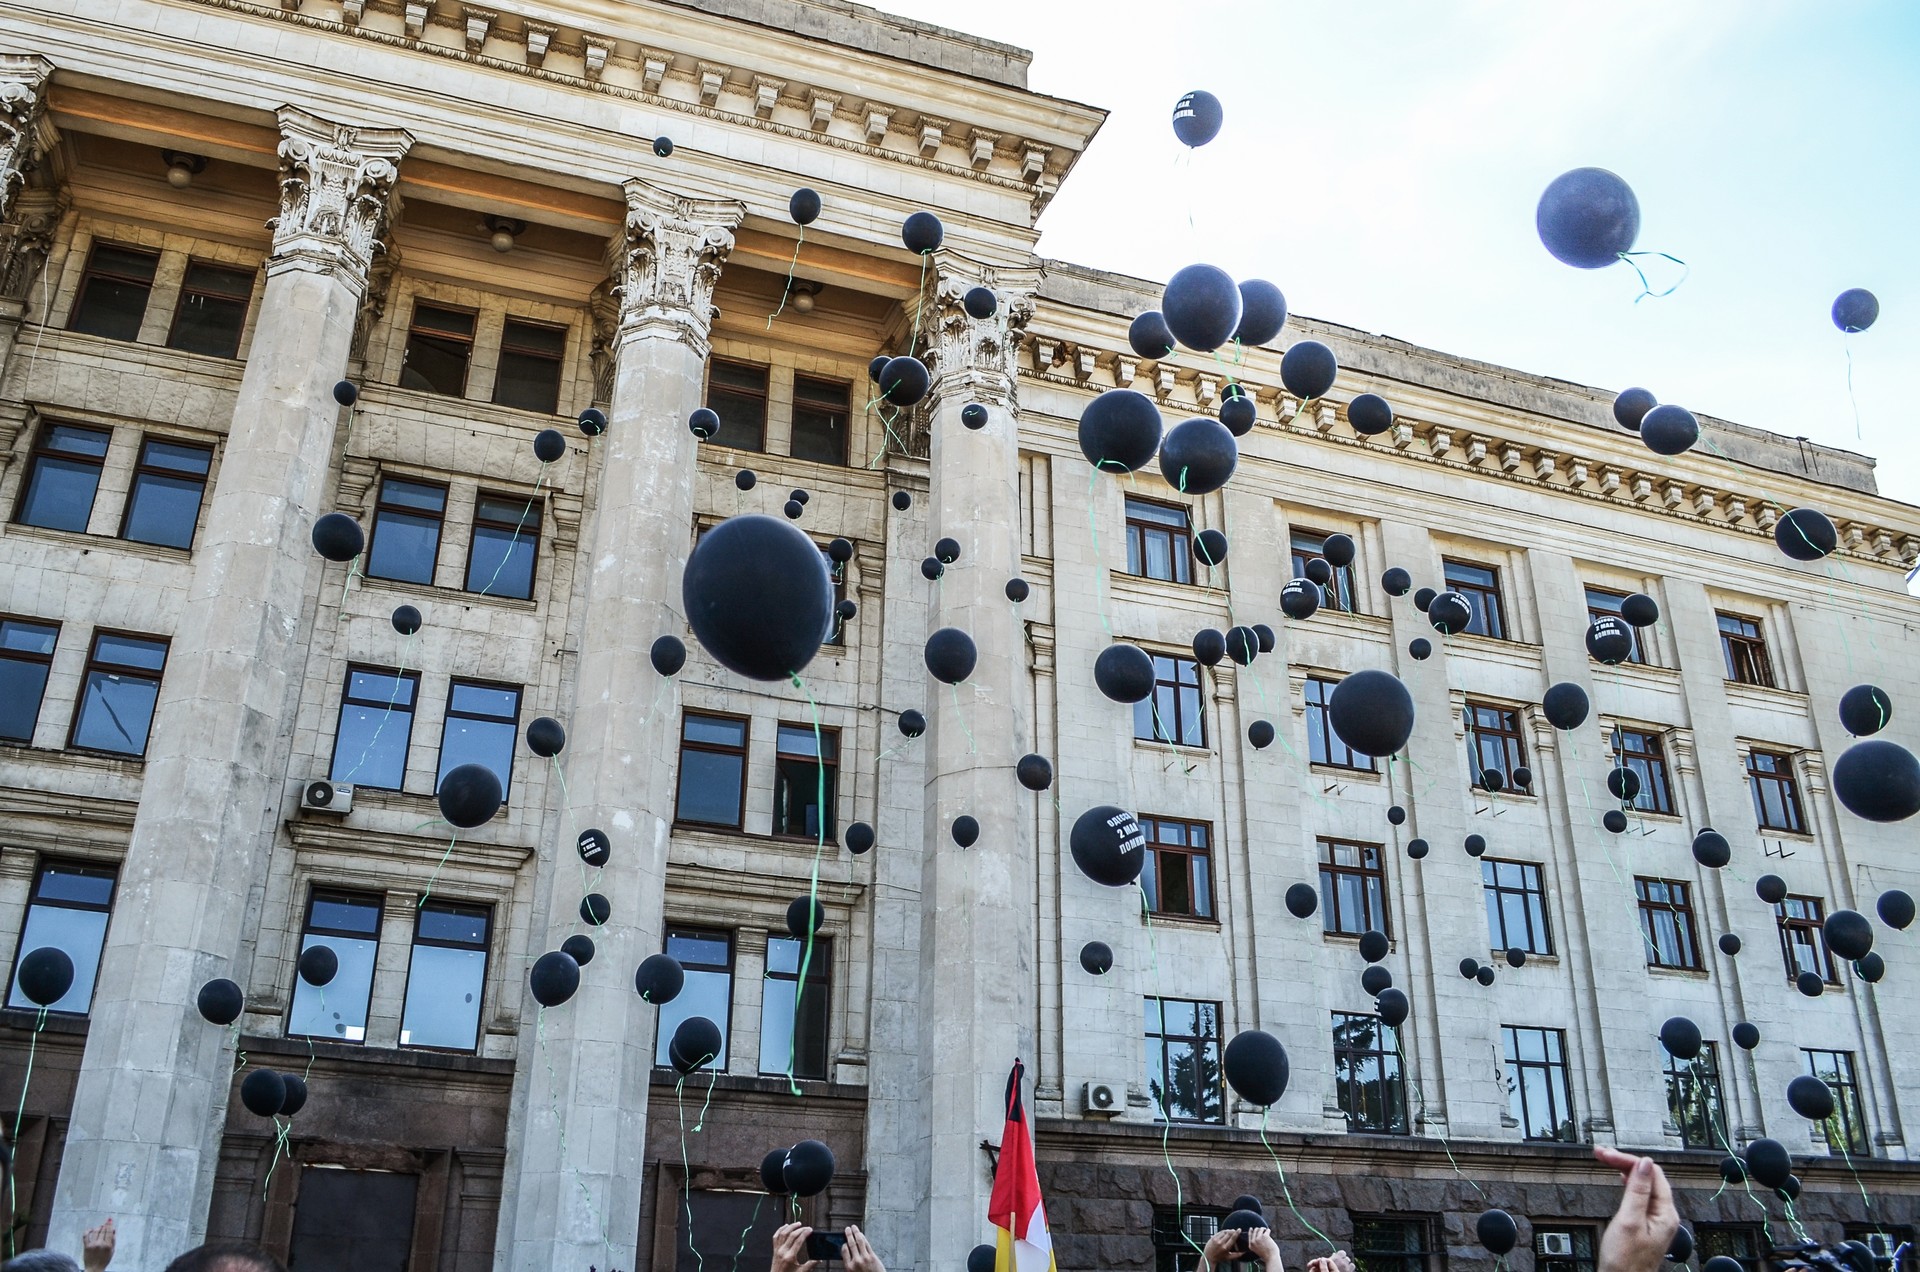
[212, 212]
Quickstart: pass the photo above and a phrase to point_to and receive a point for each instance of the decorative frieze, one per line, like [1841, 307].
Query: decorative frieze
[766, 95]
[539, 38]
[479, 24]
[595, 52]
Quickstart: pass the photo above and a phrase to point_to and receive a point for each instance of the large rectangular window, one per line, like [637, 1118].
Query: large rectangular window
[1803, 938]
[1604, 604]
[483, 721]
[1539, 1087]
[1174, 713]
[376, 724]
[1323, 744]
[1744, 646]
[439, 347]
[348, 923]
[528, 376]
[805, 770]
[26, 656]
[1366, 1074]
[821, 409]
[782, 1042]
[63, 474]
[1337, 593]
[66, 910]
[112, 301]
[1580, 1248]
[713, 770]
[1179, 874]
[1396, 1243]
[737, 393]
[163, 507]
[1516, 895]
[707, 960]
[117, 696]
[506, 544]
[1644, 755]
[1667, 924]
[1480, 585]
[448, 977]
[1353, 888]
[1183, 1061]
[1776, 792]
[213, 310]
[1693, 1097]
[405, 542]
[1846, 1130]
[1493, 742]
[1159, 541]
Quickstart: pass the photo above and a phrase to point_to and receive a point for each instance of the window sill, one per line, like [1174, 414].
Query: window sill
[1545, 960]
[1764, 695]
[1679, 973]
[1353, 938]
[87, 541]
[69, 757]
[1173, 748]
[1194, 921]
[448, 595]
[1345, 773]
[735, 834]
[431, 402]
[776, 1084]
[297, 1047]
[1773, 832]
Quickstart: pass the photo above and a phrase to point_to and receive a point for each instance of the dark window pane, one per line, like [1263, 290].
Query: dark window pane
[26, 653]
[444, 990]
[85, 886]
[376, 725]
[506, 542]
[406, 531]
[213, 310]
[439, 346]
[781, 1042]
[164, 504]
[80, 933]
[529, 373]
[737, 393]
[482, 726]
[337, 1010]
[117, 697]
[113, 292]
[63, 477]
[710, 788]
[820, 413]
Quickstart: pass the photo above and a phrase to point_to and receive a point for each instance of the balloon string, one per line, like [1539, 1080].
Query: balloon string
[560, 1131]
[280, 1130]
[399, 679]
[233, 1040]
[1646, 288]
[432, 878]
[744, 1232]
[1163, 734]
[959, 713]
[1406, 1071]
[788, 289]
[514, 541]
[353, 572]
[919, 298]
[658, 694]
[686, 1173]
[886, 422]
[1846, 344]
[1286, 1191]
[311, 1057]
[1166, 1115]
[1099, 563]
[813, 895]
[19, 1116]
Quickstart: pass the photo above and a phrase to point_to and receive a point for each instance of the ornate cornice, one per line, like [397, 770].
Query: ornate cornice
[336, 193]
[666, 262]
[23, 101]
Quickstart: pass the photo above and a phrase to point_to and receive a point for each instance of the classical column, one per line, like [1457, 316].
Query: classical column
[578, 1142]
[153, 1087]
[28, 215]
[977, 927]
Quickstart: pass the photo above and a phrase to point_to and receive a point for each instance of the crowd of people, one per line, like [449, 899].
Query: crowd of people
[96, 1252]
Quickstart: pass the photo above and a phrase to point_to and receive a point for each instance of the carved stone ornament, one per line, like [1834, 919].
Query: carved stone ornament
[974, 358]
[336, 191]
[23, 96]
[667, 261]
[27, 239]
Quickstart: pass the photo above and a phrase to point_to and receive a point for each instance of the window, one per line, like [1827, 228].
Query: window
[62, 476]
[1539, 1092]
[1516, 894]
[1480, 584]
[1646, 756]
[1884, 1239]
[710, 1221]
[1846, 1130]
[820, 413]
[1353, 888]
[213, 310]
[376, 724]
[1745, 649]
[1603, 604]
[1183, 1061]
[804, 772]
[353, 1219]
[1323, 744]
[113, 292]
[737, 393]
[1174, 713]
[1740, 1242]
[347, 923]
[1666, 922]
[782, 1041]
[713, 765]
[26, 656]
[164, 505]
[117, 697]
[506, 541]
[1180, 1235]
[406, 531]
[1776, 794]
[1693, 1098]
[528, 376]
[707, 959]
[1493, 742]
[439, 346]
[1337, 593]
[483, 720]
[1396, 1243]
[1159, 542]
[1803, 938]
[448, 977]
[1580, 1241]
[837, 571]
[1366, 1074]
[67, 910]
[1179, 874]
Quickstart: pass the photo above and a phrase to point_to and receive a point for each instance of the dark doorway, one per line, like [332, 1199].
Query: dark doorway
[733, 1231]
[353, 1221]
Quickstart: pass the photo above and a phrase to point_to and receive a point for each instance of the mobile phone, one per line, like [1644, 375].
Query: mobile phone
[826, 1245]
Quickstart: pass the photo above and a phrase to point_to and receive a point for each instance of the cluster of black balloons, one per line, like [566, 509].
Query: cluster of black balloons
[266, 1093]
[804, 1170]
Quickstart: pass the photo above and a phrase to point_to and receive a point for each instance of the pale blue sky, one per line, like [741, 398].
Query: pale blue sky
[1381, 161]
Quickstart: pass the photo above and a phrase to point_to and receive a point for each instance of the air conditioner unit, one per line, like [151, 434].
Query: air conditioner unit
[322, 796]
[1881, 1246]
[1104, 1099]
[1200, 1228]
[1553, 1245]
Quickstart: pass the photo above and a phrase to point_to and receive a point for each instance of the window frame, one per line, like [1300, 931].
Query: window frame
[41, 866]
[42, 450]
[694, 932]
[1747, 659]
[452, 713]
[1538, 944]
[1509, 731]
[382, 505]
[1156, 720]
[316, 893]
[1576, 1262]
[143, 469]
[837, 575]
[820, 975]
[1814, 928]
[1686, 923]
[415, 329]
[742, 751]
[529, 524]
[557, 360]
[1179, 539]
[485, 947]
[189, 292]
[1845, 1086]
[1786, 779]
[1158, 851]
[1330, 874]
[412, 711]
[1636, 652]
[1484, 599]
[1393, 1077]
[1649, 764]
[1714, 1239]
[829, 741]
[1320, 734]
[1431, 1254]
[1703, 1074]
[822, 404]
[94, 664]
[1517, 1089]
[1201, 1043]
[1339, 592]
[43, 661]
[89, 273]
[763, 394]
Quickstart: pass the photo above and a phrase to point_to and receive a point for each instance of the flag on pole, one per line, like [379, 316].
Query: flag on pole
[1015, 1207]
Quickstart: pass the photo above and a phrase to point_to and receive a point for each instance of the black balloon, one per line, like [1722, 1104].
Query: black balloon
[1017, 590]
[974, 416]
[1681, 1037]
[904, 380]
[663, 146]
[1374, 945]
[220, 1001]
[1421, 648]
[1256, 1067]
[1397, 815]
[1669, 430]
[1865, 710]
[1267, 638]
[703, 423]
[1417, 848]
[1396, 581]
[1149, 336]
[554, 978]
[1895, 908]
[758, 596]
[45, 975]
[1878, 780]
[965, 831]
[922, 232]
[659, 979]
[1484, 975]
[804, 206]
[1469, 968]
[407, 620]
[1034, 772]
[1680, 1249]
[345, 392]
[594, 847]
[1810, 983]
[1729, 943]
[1476, 845]
[1375, 979]
[1810, 1098]
[1790, 1190]
[793, 509]
[805, 916]
[1870, 968]
[1372, 712]
[1565, 705]
[858, 838]
[1300, 599]
[1711, 849]
[1423, 598]
[1855, 309]
[1108, 846]
[875, 367]
[1746, 1036]
[980, 302]
[1733, 1170]
[1632, 406]
[1209, 646]
[931, 569]
[1449, 612]
[808, 1169]
[746, 479]
[1623, 783]
[578, 947]
[1319, 570]
[1096, 958]
[1493, 780]
[1516, 957]
[263, 1092]
[1805, 534]
[592, 421]
[1263, 311]
[595, 909]
[1587, 218]
[1640, 610]
[1260, 733]
[1120, 430]
[1302, 900]
[1497, 1231]
[912, 723]
[1198, 456]
[1243, 645]
[1392, 1005]
[1339, 550]
[1238, 414]
[982, 1258]
[546, 737]
[1210, 547]
[772, 1176]
[1197, 117]
[470, 795]
[337, 537]
[1609, 639]
[319, 965]
[1308, 370]
[947, 550]
[1615, 821]
[1848, 933]
[694, 1043]
[296, 1096]
[1370, 414]
[1522, 778]
[1124, 673]
[549, 445]
[1202, 307]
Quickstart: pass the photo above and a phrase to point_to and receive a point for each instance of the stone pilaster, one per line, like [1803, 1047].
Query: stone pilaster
[578, 1141]
[28, 215]
[154, 1084]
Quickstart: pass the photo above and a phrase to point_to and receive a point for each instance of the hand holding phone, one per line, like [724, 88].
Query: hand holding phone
[826, 1245]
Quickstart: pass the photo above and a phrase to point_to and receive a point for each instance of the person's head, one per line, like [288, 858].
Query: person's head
[40, 1261]
[226, 1256]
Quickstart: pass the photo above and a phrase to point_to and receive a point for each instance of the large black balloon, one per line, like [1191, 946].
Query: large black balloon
[1632, 406]
[1243, 645]
[220, 1001]
[1810, 1098]
[1746, 1036]
[1308, 370]
[554, 978]
[1417, 848]
[594, 847]
[338, 537]
[1449, 612]
[904, 380]
[1392, 1005]
[758, 596]
[858, 838]
[1300, 599]
[1124, 673]
[1149, 336]
[45, 975]
[808, 1169]
[1812, 984]
[595, 909]
[1034, 772]
[1855, 309]
[1609, 639]
[1263, 311]
[984, 1258]
[980, 302]
[546, 736]
[1729, 943]
[1338, 549]
[579, 947]
[1372, 712]
[1587, 218]
[319, 965]
[1197, 117]
[922, 232]
[1423, 598]
[1302, 900]
[1871, 968]
[947, 550]
[965, 831]
[659, 978]
[1238, 414]
[1484, 975]
[549, 445]
[1680, 1249]
[1319, 570]
[1374, 945]
[1565, 705]
[1681, 1037]
[1733, 1170]
[805, 916]
[1108, 846]
[1669, 429]
[950, 656]
[1096, 958]
[1805, 534]
[1865, 710]
[1210, 547]
[1640, 610]
[1120, 430]
[263, 1092]
[694, 1043]
[1202, 307]
[912, 723]
[1267, 638]
[1895, 908]
[1711, 849]
[1261, 734]
[1848, 934]
[1017, 590]
[1370, 415]
[1198, 456]
[1209, 646]
[1476, 845]
[1396, 581]
[592, 421]
[1878, 780]
[470, 795]
[804, 206]
[1516, 957]
[1497, 1231]
[1256, 1066]
[1623, 784]
[1770, 888]
[296, 1096]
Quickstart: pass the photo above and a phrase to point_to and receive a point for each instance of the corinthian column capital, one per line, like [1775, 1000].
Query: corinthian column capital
[974, 358]
[24, 131]
[666, 262]
[336, 194]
